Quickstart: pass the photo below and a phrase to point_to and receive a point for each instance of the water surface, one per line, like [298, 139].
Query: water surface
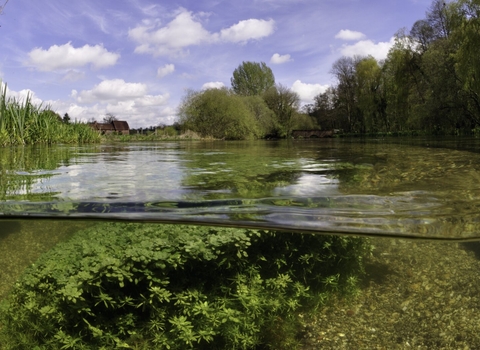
[428, 188]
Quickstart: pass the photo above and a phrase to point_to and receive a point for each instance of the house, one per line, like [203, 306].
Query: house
[116, 126]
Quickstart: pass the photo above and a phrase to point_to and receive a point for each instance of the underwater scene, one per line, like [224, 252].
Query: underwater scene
[293, 244]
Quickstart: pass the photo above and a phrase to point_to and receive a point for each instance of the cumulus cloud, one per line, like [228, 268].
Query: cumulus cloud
[165, 70]
[213, 85]
[367, 47]
[249, 29]
[127, 101]
[346, 34]
[140, 112]
[137, 110]
[21, 95]
[183, 31]
[107, 90]
[279, 59]
[186, 30]
[68, 57]
[307, 92]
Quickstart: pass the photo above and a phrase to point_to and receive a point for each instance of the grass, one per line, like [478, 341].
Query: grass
[22, 123]
[151, 136]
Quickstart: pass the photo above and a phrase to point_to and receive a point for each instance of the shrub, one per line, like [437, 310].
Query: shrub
[153, 286]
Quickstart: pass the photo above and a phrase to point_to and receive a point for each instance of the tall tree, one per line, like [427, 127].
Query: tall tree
[343, 70]
[422, 33]
[284, 103]
[438, 19]
[369, 95]
[252, 78]
[326, 112]
[467, 56]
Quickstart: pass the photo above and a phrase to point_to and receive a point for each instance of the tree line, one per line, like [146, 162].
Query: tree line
[255, 107]
[429, 83]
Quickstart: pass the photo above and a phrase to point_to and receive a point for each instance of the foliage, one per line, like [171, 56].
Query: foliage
[22, 122]
[254, 108]
[265, 118]
[147, 286]
[252, 79]
[284, 103]
[219, 114]
[428, 82]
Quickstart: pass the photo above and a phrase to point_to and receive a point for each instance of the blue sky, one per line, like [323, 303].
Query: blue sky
[137, 58]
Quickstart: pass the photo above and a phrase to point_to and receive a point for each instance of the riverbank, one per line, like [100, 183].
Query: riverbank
[417, 294]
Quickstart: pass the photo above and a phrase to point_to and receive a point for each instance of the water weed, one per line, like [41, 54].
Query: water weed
[22, 122]
[147, 286]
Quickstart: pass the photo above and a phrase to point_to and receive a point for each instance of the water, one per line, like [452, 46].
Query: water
[417, 199]
[401, 188]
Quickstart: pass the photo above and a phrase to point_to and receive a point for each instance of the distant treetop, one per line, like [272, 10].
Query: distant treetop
[252, 78]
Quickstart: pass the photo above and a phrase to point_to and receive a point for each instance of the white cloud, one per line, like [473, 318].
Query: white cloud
[186, 30]
[165, 70]
[249, 29]
[21, 95]
[367, 47]
[127, 101]
[346, 34]
[181, 32]
[68, 57]
[107, 90]
[213, 85]
[279, 59]
[307, 92]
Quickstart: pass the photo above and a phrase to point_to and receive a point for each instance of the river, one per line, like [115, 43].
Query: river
[395, 190]
[395, 187]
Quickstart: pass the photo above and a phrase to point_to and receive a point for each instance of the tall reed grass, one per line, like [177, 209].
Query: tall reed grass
[22, 122]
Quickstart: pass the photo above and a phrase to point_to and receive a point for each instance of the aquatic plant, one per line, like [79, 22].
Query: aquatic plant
[148, 286]
[22, 122]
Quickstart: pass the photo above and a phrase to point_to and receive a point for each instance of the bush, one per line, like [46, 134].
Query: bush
[148, 286]
[219, 114]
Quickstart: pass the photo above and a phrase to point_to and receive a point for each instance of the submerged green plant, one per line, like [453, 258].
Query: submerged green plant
[148, 286]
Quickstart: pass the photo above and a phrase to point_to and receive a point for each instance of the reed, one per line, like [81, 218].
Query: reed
[22, 122]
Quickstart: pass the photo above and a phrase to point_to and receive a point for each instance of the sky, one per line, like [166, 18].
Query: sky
[136, 59]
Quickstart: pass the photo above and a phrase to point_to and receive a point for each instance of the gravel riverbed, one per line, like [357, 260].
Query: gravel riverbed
[416, 295]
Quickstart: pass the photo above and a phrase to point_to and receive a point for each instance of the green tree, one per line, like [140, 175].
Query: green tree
[467, 58]
[264, 116]
[284, 103]
[326, 113]
[428, 82]
[252, 78]
[406, 85]
[343, 70]
[219, 114]
[371, 100]
[66, 118]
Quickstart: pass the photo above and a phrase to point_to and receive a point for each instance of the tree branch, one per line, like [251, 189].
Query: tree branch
[2, 7]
